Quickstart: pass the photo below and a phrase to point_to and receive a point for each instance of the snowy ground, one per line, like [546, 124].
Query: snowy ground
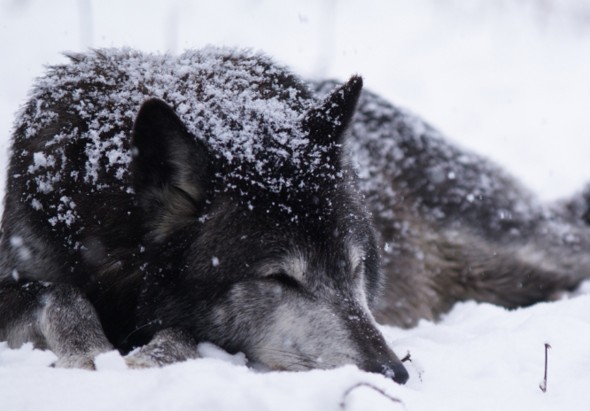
[507, 79]
[480, 357]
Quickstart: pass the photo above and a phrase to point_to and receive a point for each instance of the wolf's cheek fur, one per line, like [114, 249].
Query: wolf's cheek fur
[283, 328]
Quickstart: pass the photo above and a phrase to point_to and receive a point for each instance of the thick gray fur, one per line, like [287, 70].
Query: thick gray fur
[452, 226]
[160, 201]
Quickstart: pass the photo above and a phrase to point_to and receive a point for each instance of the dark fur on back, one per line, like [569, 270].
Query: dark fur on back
[453, 226]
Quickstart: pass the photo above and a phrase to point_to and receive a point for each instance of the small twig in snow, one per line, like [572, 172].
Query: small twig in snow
[366, 384]
[408, 358]
[543, 385]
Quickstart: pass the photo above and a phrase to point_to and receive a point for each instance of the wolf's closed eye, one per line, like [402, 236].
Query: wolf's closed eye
[285, 279]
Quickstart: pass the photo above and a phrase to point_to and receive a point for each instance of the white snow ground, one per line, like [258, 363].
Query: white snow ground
[507, 79]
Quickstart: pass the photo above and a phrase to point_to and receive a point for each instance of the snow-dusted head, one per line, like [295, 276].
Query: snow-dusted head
[271, 254]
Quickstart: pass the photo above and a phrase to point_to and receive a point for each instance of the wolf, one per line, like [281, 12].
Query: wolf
[154, 202]
[453, 226]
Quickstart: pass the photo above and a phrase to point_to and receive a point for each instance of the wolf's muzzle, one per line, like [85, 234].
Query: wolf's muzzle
[396, 371]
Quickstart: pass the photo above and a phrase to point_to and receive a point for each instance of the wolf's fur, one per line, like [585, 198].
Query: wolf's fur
[157, 202]
[452, 226]
[576, 208]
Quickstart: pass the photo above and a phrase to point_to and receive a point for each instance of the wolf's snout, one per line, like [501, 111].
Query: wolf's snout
[394, 370]
[383, 360]
[397, 373]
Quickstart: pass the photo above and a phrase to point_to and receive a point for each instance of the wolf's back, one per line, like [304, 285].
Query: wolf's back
[454, 226]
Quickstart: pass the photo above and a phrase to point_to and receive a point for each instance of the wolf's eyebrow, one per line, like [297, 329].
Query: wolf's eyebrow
[296, 265]
[293, 264]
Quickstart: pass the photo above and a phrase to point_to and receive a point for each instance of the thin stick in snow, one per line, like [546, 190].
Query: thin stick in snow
[366, 384]
[543, 385]
[408, 358]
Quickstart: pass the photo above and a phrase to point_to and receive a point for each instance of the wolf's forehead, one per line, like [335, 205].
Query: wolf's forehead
[302, 262]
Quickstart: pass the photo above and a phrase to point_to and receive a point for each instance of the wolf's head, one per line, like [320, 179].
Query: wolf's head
[282, 266]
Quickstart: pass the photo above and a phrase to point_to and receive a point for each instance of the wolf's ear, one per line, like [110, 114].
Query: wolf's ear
[326, 123]
[170, 169]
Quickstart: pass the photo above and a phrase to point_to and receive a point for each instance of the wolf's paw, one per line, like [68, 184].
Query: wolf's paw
[167, 347]
[138, 361]
[85, 362]
[150, 357]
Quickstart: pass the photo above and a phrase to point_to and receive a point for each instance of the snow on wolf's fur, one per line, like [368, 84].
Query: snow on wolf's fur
[244, 93]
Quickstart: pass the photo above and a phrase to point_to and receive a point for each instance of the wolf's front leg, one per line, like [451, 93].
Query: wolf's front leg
[168, 346]
[54, 316]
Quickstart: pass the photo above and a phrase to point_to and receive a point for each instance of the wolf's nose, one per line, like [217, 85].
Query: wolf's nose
[397, 372]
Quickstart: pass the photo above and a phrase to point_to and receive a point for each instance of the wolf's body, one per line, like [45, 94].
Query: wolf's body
[231, 217]
[451, 225]
[234, 217]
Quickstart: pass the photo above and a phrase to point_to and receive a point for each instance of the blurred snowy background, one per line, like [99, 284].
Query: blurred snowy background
[509, 79]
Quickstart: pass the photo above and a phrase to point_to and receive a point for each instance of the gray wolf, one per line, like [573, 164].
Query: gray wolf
[154, 202]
